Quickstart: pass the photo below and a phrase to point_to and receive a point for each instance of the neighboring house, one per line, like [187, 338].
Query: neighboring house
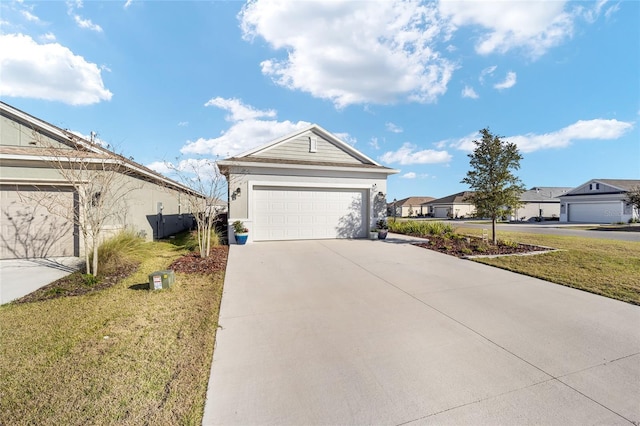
[599, 201]
[409, 207]
[307, 185]
[540, 202]
[27, 176]
[452, 206]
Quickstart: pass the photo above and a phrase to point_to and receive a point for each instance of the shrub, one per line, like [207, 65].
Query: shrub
[508, 243]
[411, 227]
[117, 249]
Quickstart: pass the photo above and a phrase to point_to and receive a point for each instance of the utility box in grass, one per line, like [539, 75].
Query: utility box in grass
[161, 279]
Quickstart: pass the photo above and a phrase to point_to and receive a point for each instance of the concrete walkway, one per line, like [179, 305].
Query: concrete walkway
[19, 277]
[383, 332]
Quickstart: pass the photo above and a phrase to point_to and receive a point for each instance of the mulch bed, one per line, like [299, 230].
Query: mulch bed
[471, 246]
[192, 263]
[76, 285]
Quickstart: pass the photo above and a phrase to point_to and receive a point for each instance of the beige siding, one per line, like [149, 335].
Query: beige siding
[13, 133]
[298, 149]
[603, 188]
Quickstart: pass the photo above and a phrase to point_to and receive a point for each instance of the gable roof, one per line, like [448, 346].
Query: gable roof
[412, 201]
[82, 147]
[544, 194]
[619, 185]
[257, 156]
[458, 198]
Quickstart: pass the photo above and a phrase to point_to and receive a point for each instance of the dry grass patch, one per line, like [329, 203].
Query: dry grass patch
[606, 267]
[121, 356]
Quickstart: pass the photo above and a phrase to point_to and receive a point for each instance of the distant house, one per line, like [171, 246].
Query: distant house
[409, 207]
[29, 148]
[540, 202]
[599, 201]
[452, 206]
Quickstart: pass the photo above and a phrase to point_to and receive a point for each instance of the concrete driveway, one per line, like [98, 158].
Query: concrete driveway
[383, 332]
[19, 277]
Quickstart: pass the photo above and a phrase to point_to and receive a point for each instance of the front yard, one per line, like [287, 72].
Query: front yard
[607, 267]
[121, 355]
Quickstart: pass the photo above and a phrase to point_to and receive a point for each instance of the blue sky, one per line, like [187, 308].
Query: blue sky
[408, 83]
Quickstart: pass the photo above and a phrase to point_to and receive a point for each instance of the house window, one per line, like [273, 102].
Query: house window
[594, 186]
[313, 144]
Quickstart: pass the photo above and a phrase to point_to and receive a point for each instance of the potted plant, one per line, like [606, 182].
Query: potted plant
[373, 234]
[241, 233]
[382, 228]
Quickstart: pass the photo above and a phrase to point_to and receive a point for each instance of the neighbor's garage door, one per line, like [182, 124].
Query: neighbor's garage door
[28, 230]
[308, 213]
[440, 212]
[594, 212]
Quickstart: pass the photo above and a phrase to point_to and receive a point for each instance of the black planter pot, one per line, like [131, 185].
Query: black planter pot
[382, 234]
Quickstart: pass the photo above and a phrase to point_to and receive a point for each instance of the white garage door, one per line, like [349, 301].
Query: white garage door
[30, 231]
[594, 212]
[440, 212]
[308, 213]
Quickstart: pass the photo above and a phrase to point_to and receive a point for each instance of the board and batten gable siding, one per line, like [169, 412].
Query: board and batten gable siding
[15, 133]
[300, 149]
[602, 188]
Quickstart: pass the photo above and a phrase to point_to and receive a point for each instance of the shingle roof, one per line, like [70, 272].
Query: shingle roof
[544, 194]
[458, 198]
[626, 184]
[412, 201]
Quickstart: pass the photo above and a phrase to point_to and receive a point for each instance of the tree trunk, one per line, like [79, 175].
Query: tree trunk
[95, 259]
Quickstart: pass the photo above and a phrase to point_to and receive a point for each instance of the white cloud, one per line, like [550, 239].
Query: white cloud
[48, 37]
[48, 71]
[468, 92]
[509, 81]
[373, 143]
[410, 175]
[597, 129]
[161, 167]
[29, 16]
[346, 137]
[464, 143]
[127, 3]
[183, 124]
[487, 71]
[393, 128]
[353, 52]
[247, 130]
[407, 154]
[87, 24]
[533, 26]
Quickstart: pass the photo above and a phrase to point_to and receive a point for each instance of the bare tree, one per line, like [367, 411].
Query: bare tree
[101, 180]
[205, 202]
[633, 198]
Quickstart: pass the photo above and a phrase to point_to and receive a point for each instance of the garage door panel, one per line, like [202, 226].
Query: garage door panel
[594, 212]
[29, 230]
[314, 213]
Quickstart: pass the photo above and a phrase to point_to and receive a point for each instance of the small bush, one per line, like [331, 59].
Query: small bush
[466, 251]
[508, 243]
[116, 250]
[425, 228]
[90, 280]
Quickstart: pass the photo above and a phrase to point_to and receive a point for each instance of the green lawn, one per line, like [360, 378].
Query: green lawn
[122, 355]
[607, 267]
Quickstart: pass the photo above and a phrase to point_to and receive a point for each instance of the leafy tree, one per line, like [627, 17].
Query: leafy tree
[633, 197]
[496, 190]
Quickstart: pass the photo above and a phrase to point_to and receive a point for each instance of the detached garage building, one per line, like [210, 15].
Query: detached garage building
[307, 185]
[599, 201]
